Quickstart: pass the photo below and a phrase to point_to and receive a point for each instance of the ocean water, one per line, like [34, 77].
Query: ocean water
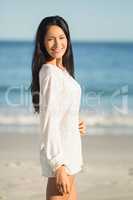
[104, 71]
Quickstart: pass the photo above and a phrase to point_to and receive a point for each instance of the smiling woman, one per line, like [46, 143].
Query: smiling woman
[55, 42]
[56, 98]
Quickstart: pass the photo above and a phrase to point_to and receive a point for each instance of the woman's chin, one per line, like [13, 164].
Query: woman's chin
[57, 56]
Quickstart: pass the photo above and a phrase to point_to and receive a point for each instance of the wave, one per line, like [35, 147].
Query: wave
[90, 120]
[19, 120]
[107, 120]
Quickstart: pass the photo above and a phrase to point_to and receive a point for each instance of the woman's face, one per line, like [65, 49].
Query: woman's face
[55, 42]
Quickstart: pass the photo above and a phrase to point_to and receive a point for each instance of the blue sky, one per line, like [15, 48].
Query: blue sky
[95, 20]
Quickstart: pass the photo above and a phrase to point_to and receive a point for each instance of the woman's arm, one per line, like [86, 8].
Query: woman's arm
[50, 100]
[51, 112]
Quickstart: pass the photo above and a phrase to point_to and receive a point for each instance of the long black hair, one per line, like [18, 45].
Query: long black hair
[40, 55]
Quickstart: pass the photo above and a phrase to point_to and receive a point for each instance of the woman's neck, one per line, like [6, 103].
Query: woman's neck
[57, 62]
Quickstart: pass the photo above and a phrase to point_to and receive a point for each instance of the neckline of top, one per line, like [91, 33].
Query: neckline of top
[58, 68]
[53, 65]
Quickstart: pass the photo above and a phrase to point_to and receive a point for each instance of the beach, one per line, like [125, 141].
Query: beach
[107, 173]
[104, 71]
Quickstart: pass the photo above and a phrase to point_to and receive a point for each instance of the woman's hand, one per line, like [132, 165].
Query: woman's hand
[82, 127]
[62, 180]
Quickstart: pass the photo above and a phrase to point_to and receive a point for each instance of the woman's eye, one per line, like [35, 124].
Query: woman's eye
[52, 38]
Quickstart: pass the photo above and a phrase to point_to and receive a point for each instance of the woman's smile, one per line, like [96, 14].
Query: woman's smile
[57, 50]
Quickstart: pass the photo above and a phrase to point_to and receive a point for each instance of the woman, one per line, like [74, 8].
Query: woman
[56, 98]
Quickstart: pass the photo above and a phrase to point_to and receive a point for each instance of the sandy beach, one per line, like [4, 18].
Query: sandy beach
[107, 172]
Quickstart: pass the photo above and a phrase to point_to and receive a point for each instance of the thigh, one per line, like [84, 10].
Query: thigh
[52, 192]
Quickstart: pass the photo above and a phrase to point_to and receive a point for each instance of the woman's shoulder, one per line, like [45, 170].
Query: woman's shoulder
[50, 72]
[45, 70]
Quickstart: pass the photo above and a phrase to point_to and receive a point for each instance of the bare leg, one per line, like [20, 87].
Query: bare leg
[52, 192]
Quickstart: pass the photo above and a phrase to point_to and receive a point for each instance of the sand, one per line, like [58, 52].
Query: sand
[107, 172]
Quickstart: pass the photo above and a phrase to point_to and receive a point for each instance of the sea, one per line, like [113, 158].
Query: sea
[104, 71]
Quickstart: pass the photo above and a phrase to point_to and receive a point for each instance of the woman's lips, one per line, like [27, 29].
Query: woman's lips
[57, 50]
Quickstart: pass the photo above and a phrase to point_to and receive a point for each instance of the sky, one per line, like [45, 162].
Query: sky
[88, 20]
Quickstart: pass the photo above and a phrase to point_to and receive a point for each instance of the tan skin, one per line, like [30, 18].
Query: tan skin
[56, 44]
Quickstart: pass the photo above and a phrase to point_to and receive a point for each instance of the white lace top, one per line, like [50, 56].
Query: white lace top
[60, 96]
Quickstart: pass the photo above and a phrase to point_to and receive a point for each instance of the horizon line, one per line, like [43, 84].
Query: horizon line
[73, 41]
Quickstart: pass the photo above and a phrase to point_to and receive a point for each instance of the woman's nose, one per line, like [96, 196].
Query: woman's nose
[56, 43]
